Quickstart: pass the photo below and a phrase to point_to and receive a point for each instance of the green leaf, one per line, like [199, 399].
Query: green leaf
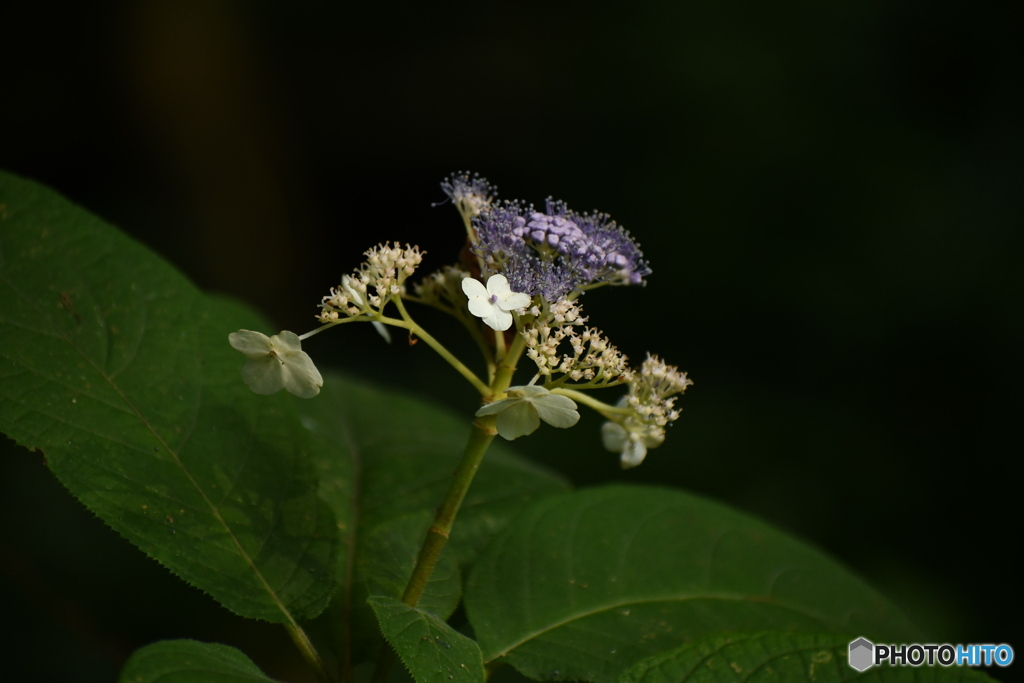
[189, 661]
[388, 557]
[119, 370]
[431, 650]
[584, 585]
[778, 656]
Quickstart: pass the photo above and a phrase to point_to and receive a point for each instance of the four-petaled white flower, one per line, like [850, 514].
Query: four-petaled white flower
[494, 302]
[520, 414]
[276, 362]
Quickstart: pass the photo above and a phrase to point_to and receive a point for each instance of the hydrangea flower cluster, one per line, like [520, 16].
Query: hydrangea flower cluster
[369, 289]
[516, 291]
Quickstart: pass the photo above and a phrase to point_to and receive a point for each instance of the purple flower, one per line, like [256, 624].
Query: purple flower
[469, 193]
[555, 252]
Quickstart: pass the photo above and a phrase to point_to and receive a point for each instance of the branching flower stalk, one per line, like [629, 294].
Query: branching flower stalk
[516, 291]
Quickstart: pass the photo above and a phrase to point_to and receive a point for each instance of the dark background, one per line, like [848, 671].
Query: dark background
[829, 195]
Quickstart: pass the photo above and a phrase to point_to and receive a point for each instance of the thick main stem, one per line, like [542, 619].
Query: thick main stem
[480, 439]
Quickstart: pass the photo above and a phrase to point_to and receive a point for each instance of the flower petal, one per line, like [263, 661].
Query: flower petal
[514, 300]
[286, 342]
[613, 436]
[527, 390]
[382, 330]
[300, 376]
[253, 345]
[557, 411]
[473, 288]
[496, 407]
[480, 307]
[264, 375]
[497, 319]
[633, 453]
[519, 419]
[498, 286]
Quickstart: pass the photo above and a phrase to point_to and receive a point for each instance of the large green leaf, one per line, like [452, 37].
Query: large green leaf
[432, 651]
[775, 656]
[189, 661]
[119, 370]
[583, 585]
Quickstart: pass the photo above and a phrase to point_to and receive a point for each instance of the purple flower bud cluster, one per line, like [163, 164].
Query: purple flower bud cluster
[610, 253]
[555, 252]
[468, 192]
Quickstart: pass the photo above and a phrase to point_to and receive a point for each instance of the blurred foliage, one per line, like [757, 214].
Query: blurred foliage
[828, 196]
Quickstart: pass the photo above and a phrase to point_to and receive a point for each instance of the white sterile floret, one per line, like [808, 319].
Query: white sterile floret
[520, 414]
[276, 362]
[631, 445]
[493, 303]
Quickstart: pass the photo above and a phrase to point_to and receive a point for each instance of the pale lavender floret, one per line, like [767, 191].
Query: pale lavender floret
[558, 232]
[462, 185]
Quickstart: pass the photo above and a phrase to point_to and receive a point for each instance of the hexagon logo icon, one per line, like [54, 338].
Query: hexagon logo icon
[862, 654]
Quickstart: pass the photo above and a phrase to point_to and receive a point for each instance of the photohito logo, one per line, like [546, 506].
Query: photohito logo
[865, 654]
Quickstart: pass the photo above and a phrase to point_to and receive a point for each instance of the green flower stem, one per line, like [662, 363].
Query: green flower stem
[506, 368]
[470, 323]
[499, 345]
[480, 439]
[600, 406]
[408, 323]
[309, 652]
[324, 326]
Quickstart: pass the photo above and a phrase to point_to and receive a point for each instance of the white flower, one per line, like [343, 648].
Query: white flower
[494, 303]
[632, 443]
[276, 362]
[631, 437]
[520, 414]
